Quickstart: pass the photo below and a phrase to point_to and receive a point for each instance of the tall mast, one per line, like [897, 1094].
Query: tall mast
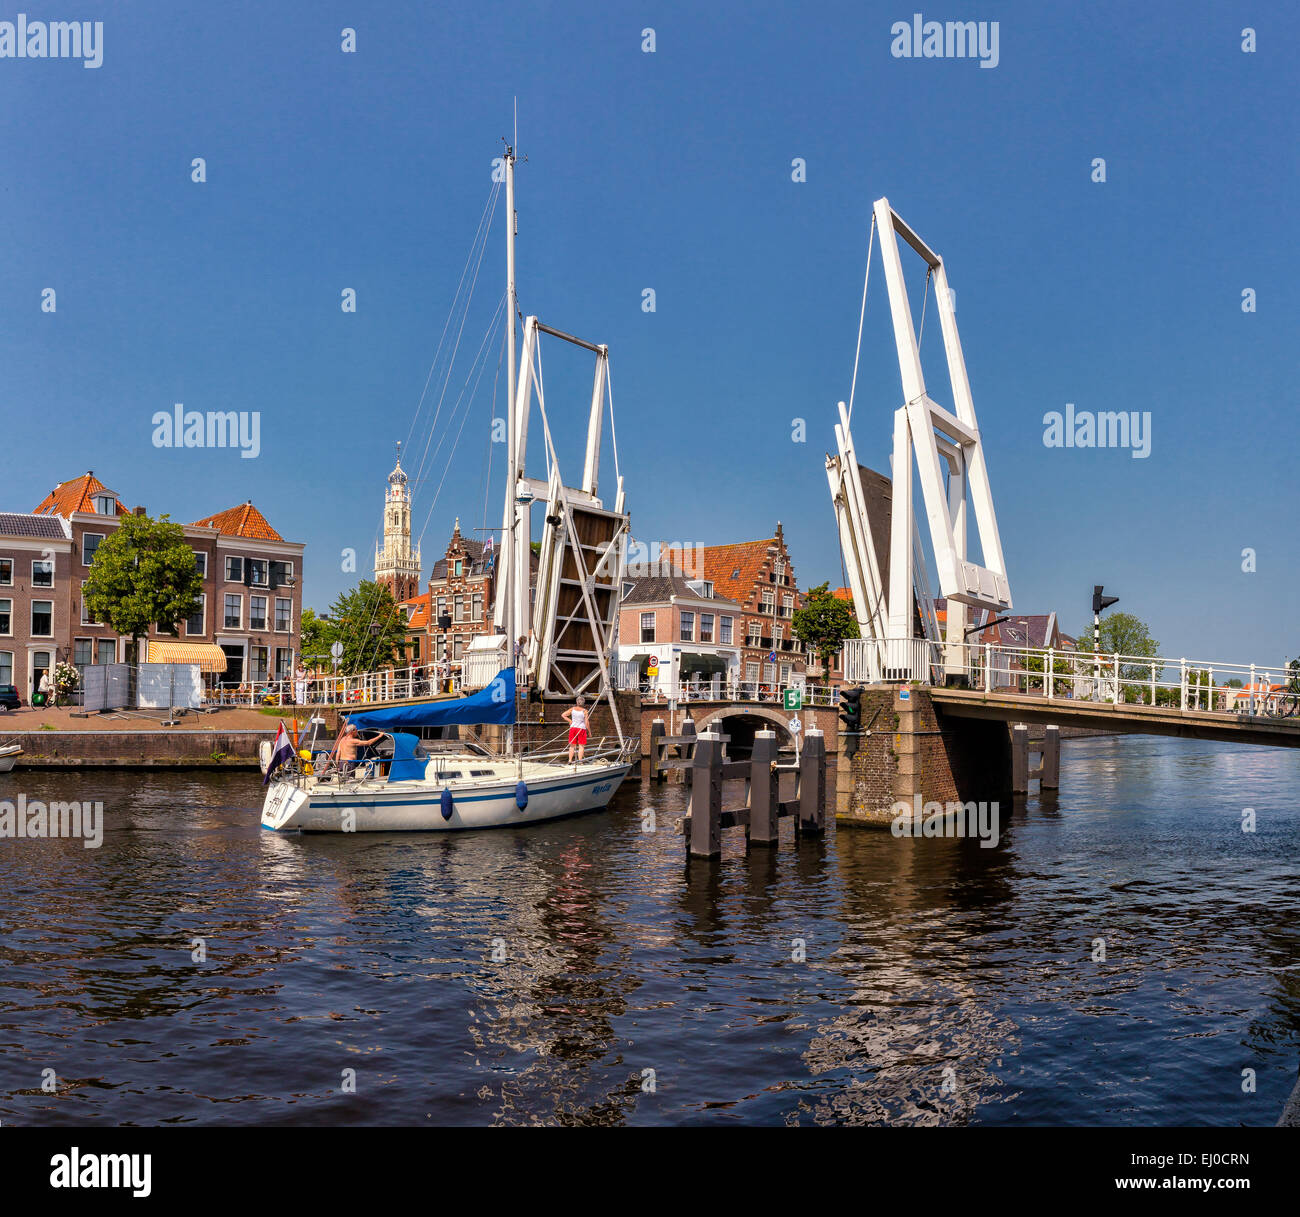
[506, 558]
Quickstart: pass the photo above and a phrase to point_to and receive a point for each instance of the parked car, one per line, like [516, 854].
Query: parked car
[9, 699]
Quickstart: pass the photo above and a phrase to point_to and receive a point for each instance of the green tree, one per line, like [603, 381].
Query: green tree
[143, 574]
[370, 625]
[1125, 635]
[824, 622]
[318, 634]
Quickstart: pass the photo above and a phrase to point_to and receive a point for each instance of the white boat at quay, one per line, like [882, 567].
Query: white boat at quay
[9, 754]
[565, 643]
[453, 791]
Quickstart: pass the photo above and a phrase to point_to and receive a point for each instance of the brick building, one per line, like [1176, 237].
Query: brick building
[461, 587]
[760, 577]
[691, 633]
[250, 608]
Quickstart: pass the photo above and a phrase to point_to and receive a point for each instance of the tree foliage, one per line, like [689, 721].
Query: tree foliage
[1126, 635]
[143, 574]
[368, 622]
[824, 622]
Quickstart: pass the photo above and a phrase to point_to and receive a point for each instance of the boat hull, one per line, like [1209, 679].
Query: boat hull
[418, 806]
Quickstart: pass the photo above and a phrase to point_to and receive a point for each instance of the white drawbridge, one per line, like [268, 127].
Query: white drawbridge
[886, 566]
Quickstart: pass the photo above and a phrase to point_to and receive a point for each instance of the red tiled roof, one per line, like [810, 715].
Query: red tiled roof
[732, 569]
[242, 521]
[843, 593]
[421, 607]
[74, 495]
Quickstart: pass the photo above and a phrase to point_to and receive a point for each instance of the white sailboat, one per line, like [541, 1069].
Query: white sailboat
[409, 788]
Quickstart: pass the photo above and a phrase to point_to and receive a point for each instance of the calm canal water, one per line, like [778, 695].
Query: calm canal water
[927, 962]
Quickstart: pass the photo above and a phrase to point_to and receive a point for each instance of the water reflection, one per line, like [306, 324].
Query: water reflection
[587, 972]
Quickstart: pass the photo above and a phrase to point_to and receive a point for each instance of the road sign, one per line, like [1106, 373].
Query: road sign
[336, 649]
[793, 699]
[795, 725]
[771, 657]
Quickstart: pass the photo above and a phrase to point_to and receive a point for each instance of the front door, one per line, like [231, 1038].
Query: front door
[234, 673]
[40, 666]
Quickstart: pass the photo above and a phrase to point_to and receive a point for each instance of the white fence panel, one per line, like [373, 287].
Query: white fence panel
[163, 685]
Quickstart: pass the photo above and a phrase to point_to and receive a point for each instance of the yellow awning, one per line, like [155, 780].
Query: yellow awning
[209, 656]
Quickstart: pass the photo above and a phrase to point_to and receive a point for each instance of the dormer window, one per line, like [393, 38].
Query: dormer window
[104, 504]
[701, 587]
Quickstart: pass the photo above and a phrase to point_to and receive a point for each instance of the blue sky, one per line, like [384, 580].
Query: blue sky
[672, 171]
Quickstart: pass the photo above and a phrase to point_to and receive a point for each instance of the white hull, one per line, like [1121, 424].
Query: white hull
[417, 806]
[9, 757]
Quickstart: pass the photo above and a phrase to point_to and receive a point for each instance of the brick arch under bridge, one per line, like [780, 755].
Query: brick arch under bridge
[768, 718]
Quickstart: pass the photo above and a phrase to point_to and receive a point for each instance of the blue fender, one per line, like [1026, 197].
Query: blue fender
[521, 795]
[447, 803]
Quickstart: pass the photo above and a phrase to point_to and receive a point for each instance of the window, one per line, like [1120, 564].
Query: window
[81, 652]
[194, 622]
[779, 569]
[724, 631]
[6, 667]
[283, 614]
[234, 611]
[769, 672]
[105, 651]
[751, 673]
[258, 658]
[201, 561]
[456, 645]
[778, 632]
[769, 602]
[104, 505]
[787, 605]
[257, 572]
[442, 606]
[785, 673]
[86, 618]
[42, 573]
[89, 543]
[234, 570]
[7, 574]
[257, 612]
[6, 623]
[42, 618]
[688, 626]
[647, 627]
[755, 633]
[706, 627]
[283, 663]
[460, 604]
[478, 606]
[460, 569]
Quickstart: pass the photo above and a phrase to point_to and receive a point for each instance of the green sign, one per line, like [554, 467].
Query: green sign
[793, 699]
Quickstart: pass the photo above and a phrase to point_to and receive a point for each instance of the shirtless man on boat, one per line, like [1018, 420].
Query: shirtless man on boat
[349, 742]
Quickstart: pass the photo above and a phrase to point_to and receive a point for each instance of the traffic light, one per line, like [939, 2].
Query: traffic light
[851, 720]
[1099, 601]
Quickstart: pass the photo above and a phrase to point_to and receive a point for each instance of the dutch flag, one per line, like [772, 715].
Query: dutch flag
[281, 752]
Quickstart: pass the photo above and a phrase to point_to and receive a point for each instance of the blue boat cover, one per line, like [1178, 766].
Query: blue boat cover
[495, 704]
[406, 766]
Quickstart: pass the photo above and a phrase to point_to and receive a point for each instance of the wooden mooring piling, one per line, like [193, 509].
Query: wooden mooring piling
[763, 808]
[1048, 769]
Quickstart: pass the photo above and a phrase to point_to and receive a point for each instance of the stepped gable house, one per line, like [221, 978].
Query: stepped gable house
[760, 577]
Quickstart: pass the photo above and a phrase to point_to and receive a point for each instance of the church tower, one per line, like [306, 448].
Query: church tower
[397, 565]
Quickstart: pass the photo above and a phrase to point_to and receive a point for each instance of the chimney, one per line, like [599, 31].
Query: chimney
[139, 511]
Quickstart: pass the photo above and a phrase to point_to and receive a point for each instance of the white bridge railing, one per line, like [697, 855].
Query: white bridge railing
[1079, 675]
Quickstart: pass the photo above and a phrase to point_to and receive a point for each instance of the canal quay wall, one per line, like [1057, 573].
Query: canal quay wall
[163, 748]
[911, 750]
